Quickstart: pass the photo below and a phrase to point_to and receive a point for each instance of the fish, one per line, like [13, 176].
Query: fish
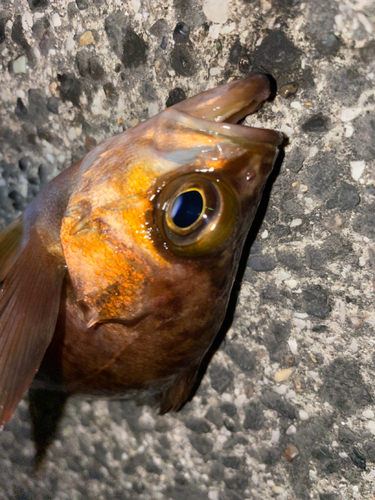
[116, 279]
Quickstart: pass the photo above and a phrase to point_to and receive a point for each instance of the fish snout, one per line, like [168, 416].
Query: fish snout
[230, 102]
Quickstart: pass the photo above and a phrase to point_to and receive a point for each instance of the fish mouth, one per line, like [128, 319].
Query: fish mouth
[230, 102]
[222, 107]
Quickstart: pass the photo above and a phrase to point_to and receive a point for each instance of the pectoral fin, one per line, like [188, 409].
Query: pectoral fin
[29, 305]
[10, 242]
[177, 394]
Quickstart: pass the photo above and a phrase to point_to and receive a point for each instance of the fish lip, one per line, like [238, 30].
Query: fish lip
[234, 132]
[229, 102]
[216, 111]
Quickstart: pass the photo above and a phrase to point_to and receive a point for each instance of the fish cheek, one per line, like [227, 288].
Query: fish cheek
[107, 278]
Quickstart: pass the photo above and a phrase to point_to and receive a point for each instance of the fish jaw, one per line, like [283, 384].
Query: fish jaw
[186, 137]
[230, 102]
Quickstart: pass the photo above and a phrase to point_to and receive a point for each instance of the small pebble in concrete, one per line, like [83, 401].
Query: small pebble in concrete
[19, 65]
[215, 11]
[349, 114]
[291, 430]
[56, 21]
[288, 90]
[356, 169]
[282, 375]
[303, 415]
[291, 453]
[181, 33]
[368, 414]
[87, 39]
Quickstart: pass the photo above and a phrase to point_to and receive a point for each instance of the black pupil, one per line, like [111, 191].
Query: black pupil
[186, 208]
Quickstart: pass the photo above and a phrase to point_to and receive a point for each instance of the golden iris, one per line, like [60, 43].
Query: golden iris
[197, 214]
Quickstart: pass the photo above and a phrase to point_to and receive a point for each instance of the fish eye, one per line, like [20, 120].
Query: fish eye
[187, 208]
[196, 214]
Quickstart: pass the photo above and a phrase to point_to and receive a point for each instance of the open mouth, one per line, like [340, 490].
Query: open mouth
[224, 106]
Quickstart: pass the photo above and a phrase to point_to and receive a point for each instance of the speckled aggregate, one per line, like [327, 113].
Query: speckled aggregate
[296, 368]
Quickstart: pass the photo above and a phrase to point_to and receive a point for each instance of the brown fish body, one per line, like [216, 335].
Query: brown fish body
[131, 254]
[114, 358]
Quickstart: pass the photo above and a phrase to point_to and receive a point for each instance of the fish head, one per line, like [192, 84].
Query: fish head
[168, 204]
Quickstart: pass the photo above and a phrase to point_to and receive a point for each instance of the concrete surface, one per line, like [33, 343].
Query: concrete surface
[286, 408]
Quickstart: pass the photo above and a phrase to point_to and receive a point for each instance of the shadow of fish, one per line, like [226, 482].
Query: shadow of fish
[116, 278]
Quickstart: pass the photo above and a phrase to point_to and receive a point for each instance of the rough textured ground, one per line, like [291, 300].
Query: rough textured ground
[75, 73]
